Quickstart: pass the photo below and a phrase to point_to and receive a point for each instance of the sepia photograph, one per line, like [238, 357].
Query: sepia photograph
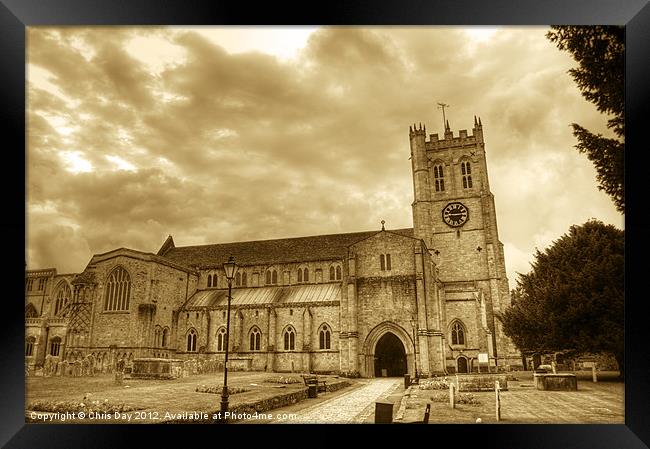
[325, 224]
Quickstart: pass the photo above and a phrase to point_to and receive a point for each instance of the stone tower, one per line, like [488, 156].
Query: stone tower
[454, 213]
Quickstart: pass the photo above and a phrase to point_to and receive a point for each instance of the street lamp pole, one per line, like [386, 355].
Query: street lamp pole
[415, 350]
[230, 268]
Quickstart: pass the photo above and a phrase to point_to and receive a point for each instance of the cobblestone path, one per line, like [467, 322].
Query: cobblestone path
[352, 407]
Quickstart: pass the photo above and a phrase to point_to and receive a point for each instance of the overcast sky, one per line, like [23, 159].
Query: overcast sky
[229, 134]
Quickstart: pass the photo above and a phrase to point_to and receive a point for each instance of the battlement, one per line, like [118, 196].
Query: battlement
[462, 140]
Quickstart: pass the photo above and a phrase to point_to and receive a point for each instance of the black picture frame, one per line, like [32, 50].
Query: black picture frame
[16, 15]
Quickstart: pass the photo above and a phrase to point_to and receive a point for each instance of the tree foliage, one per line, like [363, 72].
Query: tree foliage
[600, 75]
[573, 297]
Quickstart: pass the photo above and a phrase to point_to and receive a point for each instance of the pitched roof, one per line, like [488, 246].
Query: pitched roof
[267, 252]
[258, 296]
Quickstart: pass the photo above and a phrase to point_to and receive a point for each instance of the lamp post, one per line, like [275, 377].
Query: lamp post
[229, 267]
[415, 350]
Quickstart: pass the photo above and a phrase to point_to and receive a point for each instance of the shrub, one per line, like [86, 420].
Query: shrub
[435, 384]
[283, 380]
[219, 389]
[461, 398]
[85, 405]
[350, 374]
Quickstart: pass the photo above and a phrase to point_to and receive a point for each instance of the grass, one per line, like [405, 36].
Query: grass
[593, 403]
[162, 396]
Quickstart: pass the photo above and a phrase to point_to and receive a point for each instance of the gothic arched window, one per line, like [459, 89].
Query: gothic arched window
[165, 337]
[157, 337]
[209, 280]
[55, 345]
[332, 275]
[30, 311]
[457, 334]
[338, 272]
[118, 290]
[221, 339]
[324, 337]
[255, 339]
[439, 178]
[29, 346]
[289, 339]
[238, 279]
[63, 296]
[191, 341]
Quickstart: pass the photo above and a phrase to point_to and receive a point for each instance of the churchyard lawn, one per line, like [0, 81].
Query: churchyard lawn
[155, 401]
[593, 403]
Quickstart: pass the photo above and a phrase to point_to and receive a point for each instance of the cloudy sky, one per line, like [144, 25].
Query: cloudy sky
[228, 134]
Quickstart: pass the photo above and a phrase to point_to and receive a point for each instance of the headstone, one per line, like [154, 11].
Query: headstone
[383, 412]
[498, 400]
[452, 395]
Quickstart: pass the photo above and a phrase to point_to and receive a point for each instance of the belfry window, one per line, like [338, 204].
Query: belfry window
[439, 178]
[118, 290]
[191, 341]
[255, 339]
[289, 339]
[457, 334]
[466, 171]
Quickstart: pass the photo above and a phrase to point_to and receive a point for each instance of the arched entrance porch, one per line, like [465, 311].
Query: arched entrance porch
[387, 347]
[390, 356]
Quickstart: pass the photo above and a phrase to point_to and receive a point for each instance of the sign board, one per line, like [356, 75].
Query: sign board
[587, 364]
[482, 357]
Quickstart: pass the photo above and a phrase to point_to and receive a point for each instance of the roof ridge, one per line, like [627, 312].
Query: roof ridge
[290, 238]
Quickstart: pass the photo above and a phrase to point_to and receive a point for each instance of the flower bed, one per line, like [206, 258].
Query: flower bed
[219, 389]
[283, 380]
[461, 398]
[86, 405]
[434, 384]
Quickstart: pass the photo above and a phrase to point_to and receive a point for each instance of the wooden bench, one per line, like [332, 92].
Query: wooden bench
[313, 380]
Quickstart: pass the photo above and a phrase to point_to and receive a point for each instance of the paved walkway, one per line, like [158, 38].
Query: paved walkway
[353, 407]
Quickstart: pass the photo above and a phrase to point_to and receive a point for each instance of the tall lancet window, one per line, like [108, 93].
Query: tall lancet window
[466, 171]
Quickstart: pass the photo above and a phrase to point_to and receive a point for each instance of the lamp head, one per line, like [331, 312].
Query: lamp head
[230, 267]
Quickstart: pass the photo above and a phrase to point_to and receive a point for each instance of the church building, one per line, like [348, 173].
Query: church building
[383, 302]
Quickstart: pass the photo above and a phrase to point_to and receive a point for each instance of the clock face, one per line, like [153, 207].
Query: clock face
[455, 214]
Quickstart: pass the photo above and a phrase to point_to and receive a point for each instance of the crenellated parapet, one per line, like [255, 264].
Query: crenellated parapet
[462, 140]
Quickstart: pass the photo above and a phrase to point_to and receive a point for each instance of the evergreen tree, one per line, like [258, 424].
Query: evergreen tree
[573, 297]
[600, 53]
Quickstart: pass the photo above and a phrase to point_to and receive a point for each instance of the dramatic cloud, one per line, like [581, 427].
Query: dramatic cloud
[216, 135]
